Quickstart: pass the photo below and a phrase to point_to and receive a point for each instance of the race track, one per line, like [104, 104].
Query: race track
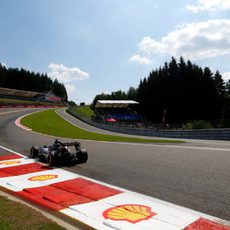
[194, 175]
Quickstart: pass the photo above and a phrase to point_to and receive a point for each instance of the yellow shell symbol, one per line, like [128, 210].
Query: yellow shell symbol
[43, 177]
[10, 162]
[132, 213]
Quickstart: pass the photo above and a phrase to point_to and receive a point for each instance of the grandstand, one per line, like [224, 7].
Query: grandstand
[15, 93]
[117, 110]
[23, 95]
[18, 93]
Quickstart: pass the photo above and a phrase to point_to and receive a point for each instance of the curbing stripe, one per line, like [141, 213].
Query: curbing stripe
[123, 210]
[203, 224]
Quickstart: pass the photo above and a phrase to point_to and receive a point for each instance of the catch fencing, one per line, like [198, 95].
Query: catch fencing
[207, 134]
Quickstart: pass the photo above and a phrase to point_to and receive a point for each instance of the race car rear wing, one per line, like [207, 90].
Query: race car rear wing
[69, 143]
[76, 144]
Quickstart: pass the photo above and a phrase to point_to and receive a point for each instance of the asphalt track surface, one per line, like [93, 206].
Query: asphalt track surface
[194, 175]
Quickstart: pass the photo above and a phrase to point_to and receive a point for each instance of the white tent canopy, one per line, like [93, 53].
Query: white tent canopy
[114, 103]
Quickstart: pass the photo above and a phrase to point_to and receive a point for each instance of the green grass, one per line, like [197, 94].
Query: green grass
[14, 215]
[48, 122]
[85, 111]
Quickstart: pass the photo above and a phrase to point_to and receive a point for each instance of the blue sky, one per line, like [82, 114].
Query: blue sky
[96, 46]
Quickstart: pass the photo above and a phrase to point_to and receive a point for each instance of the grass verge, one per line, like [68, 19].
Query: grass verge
[14, 215]
[48, 122]
[85, 111]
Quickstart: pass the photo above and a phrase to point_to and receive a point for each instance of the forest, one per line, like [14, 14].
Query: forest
[22, 79]
[179, 91]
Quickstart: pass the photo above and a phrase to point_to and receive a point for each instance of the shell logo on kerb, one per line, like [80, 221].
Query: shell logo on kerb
[132, 213]
[10, 162]
[43, 177]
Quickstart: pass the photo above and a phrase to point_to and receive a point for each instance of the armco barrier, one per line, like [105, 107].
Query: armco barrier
[207, 134]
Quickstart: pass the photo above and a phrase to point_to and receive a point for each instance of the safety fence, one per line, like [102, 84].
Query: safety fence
[208, 134]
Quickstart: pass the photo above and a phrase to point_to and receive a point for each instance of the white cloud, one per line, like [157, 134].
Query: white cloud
[149, 45]
[193, 41]
[66, 75]
[139, 59]
[3, 64]
[70, 88]
[226, 76]
[208, 5]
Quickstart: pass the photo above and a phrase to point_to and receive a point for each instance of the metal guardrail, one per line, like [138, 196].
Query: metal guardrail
[207, 134]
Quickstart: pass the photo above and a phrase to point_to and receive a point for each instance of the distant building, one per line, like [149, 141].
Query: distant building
[47, 96]
[50, 96]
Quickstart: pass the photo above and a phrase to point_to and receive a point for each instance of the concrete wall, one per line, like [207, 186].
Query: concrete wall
[208, 134]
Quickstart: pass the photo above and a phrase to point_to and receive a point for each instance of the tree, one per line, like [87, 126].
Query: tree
[184, 90]
[180, 90]
[227, 88]
[132, 94]
[101, 96]
[25, 80]
[219, 84]
[118, 95]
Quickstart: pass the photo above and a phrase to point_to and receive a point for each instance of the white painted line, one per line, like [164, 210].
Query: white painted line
[159, 145]
[73, 123]
[12, 151]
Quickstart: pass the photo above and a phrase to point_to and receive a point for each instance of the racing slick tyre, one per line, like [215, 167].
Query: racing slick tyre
[50, 159]
[33, 152]
[82, 156]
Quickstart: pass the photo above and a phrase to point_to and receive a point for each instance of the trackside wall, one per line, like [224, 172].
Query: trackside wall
[207, 134]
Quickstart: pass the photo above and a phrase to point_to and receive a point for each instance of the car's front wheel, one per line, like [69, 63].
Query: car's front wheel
[33, 152]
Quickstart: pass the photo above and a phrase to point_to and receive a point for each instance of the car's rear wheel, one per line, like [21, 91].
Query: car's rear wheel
[50, 159]
[33, 152]
[82, 156]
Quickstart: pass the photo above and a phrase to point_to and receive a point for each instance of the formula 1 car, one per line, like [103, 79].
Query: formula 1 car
[59, 153]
